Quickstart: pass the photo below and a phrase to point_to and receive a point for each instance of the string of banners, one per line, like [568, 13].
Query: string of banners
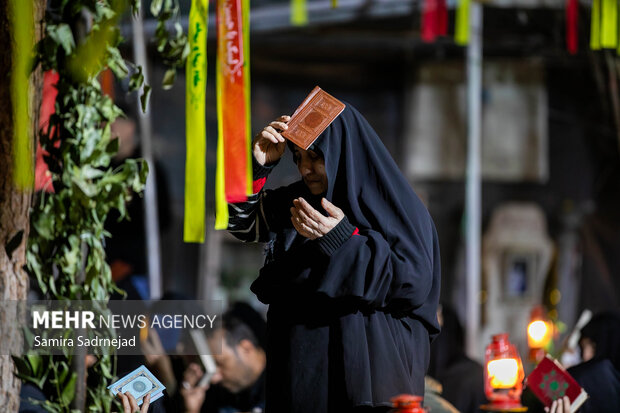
[233, 181]
[234, 167]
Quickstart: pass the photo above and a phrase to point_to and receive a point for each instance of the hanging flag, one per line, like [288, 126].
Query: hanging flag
[299, 12]
[234, 163]
[609, 24]
[429, 20]
[195, 127]
[572, 38]
[106, 79]
[595, 25]
[42, 175]
[442, 18]
[461, 31]
[21, 16]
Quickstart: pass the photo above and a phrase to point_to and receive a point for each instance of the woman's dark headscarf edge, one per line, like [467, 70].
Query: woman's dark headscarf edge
[366, 183]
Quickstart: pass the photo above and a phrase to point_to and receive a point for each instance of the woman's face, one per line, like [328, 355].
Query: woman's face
[311, 166]
[588, 349]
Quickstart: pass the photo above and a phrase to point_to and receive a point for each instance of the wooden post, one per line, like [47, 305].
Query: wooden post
[14, 202]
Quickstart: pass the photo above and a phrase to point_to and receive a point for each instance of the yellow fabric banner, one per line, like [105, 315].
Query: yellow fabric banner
[248, 106]
[299, 12]
[595, 25]
[21, 15]
[609, 24]
[195, 126]
[221, 206]
[461, 30]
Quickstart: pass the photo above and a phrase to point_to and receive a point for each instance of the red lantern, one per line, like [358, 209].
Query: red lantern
[503, 375]
[407, 403]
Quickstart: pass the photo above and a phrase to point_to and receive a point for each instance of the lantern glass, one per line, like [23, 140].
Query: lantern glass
[503, 373]
[538, 334]
[503, 376]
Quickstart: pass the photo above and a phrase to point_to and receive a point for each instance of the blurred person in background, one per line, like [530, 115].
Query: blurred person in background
[433, 401]
[351, 274]
[126, 248]
[238, 385]
[599, 374]
[461, 378]
[600, 339]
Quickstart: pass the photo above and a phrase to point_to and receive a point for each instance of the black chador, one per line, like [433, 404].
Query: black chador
[351, 314]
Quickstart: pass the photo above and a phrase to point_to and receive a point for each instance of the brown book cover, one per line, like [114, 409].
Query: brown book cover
[312, 117]
[550, 381]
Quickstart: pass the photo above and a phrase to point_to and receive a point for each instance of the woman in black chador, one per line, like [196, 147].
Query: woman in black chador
[351, 274]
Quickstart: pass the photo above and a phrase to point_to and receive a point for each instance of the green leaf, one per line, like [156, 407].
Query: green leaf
[86, 190]
[88, 172]
[169, 77]
[135, 7]
[28, 336]
[144, 98]
[116, 63]
[136, 80]
[178, 30]
[23, 368]
[52, 285]
[156, 7]
[105, 370]
[109, 110]
[62, 35]
[44, 225]
[64, 371]
[112, 147]
[41, 382]
[68, 391]
[35, 364]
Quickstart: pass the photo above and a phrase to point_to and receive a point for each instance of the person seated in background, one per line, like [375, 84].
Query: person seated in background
[461, 378]
[432, 397]
[126, 247]
[239, 382]
[600, 339]
[599, 374]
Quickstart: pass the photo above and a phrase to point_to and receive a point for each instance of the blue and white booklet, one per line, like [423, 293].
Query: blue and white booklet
[139, 383]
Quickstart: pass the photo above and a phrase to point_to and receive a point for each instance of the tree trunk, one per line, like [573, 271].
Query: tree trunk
[14, 203]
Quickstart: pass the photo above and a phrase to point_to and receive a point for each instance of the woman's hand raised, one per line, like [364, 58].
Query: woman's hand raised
[268, 145]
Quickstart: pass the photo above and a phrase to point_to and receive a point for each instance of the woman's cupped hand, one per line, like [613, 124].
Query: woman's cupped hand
[312, 224]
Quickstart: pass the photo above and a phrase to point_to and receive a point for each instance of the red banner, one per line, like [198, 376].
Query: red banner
[572, 34]
[42, 176]
[429, 20]
[442, 18]
[232, 97]
[434, 19]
